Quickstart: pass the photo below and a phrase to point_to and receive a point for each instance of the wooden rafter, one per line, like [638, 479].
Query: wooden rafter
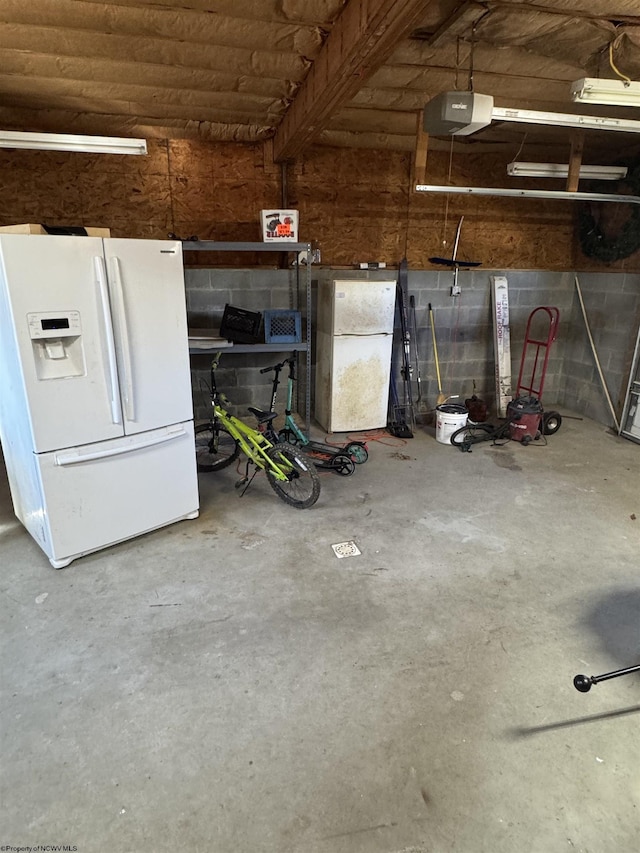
[361, 40]
[459, 22]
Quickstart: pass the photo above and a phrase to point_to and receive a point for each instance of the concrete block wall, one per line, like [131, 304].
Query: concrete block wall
[464, 328]
[612, 303]
[464, 332]
[238, 375]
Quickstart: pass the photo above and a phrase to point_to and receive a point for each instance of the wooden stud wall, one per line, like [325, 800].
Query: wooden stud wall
[357, 204]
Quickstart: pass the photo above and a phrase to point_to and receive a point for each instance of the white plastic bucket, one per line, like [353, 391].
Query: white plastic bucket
[449, 418]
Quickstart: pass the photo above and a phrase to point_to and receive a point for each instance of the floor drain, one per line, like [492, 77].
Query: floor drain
[346, 549]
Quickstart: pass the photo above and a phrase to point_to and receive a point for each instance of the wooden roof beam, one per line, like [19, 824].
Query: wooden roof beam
[361, 40]
[459, 22]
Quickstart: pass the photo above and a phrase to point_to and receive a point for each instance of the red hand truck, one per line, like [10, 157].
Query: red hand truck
[528, 419]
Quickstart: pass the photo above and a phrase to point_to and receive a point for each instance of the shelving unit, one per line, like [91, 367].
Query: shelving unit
[303, 347]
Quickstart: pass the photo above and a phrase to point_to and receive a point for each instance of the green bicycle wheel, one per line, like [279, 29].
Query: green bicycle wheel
[215, 447]
[301, 489]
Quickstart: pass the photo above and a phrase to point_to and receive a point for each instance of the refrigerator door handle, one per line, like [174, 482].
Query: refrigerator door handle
[74, 455]
[129, 404]
[101, 280]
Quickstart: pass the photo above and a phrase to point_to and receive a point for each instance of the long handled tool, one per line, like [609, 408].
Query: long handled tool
[583, 683]
[401, 417]
[416, 356]
[407, 367]
[595, 356]
[441, 397]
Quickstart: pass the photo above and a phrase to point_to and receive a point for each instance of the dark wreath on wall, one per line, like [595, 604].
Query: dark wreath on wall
[593, 240]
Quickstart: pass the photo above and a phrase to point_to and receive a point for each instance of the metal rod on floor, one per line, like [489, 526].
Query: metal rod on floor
[595, 355]
[583, 683]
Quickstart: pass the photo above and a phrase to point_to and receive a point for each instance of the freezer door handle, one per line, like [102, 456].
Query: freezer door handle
[125, 348]
[75, 455]
[101, 280]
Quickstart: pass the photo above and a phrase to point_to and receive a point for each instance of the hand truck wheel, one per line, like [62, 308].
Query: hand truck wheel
[551, 422]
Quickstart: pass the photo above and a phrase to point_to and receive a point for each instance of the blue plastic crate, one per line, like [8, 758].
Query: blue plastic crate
[282, 327]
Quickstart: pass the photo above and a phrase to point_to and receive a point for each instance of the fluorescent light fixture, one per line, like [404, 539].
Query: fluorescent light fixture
[510, 193]
[561, 170]
[565, 120]
[616, 93]
[70, 142]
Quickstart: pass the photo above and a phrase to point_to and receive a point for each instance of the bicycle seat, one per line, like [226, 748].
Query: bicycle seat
[263, 417]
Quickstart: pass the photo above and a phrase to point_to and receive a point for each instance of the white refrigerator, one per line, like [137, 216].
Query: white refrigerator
[353, 354]
[96, 417]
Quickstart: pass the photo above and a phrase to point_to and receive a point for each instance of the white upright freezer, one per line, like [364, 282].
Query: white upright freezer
[353, 354]
[96, 417]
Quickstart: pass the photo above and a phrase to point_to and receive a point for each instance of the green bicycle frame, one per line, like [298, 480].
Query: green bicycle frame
[252, 442]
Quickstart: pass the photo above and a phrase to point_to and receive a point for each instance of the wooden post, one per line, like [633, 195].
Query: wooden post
[419, 171]
[575, 161]
[270, 167]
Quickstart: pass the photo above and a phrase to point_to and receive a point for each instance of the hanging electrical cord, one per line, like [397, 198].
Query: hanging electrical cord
[473, 44]
[470, 89]
[381, 436]
[524, 139]
[613, 44]
[446, 205]
[474, 28]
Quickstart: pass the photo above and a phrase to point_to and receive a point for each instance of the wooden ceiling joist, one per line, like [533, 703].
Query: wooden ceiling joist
[362, 38]
[459, 23]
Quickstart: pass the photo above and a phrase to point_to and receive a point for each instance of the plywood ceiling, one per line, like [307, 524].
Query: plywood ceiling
[341, 72]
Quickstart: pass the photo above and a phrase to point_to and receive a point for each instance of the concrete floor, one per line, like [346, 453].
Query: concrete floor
[227, 685]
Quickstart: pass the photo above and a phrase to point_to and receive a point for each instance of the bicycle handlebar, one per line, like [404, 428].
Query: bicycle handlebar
[273, 367]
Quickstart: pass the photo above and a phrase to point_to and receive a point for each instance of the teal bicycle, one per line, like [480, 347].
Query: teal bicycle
[291, 475]
[341, 460]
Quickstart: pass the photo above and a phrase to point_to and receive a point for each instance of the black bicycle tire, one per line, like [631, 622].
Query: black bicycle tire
[472, 434]
[300, 462]
[221, 462]
[357, 451]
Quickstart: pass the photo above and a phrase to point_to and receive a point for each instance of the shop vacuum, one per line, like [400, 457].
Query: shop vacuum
[524, 415]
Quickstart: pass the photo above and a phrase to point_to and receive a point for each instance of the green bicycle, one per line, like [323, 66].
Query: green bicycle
[290, 473]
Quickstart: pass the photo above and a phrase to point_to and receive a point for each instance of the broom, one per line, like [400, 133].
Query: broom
[442, 398]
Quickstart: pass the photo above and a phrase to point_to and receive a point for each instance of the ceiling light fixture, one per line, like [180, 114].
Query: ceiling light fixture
[561, 170]
[616, 93]
[565, 120]
[71, 142]
[511, 193]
